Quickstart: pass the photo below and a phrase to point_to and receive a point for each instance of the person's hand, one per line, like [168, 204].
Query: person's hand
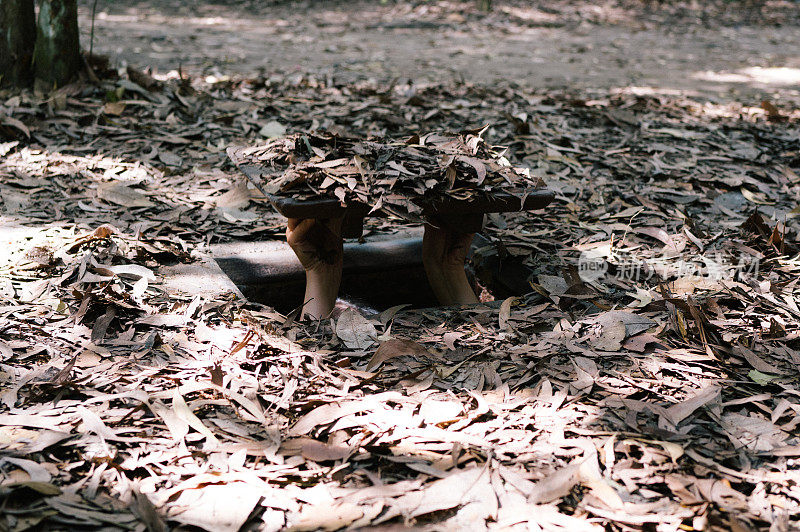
[316, 242]
[319, 248]
[444, 253]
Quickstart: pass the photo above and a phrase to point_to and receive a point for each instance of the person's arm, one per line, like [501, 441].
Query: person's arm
[318, 245]
[444, 253]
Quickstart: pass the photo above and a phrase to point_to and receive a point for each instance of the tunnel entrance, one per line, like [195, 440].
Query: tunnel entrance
[372, 291]
[379, 273]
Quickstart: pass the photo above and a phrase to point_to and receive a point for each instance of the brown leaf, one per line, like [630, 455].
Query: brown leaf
[458, 488]
[773, 113]
[101, 325]
[326, 517]
[754, 360]
[355, 330]
[557, 484]
[63, 376]
[318, 451]
[147, 512]
[640, 342]
[505, 313]
[217, 375]
[121, 194]
[449, 338]
[13, 122]
[217, 507]
[678, 412]
[395, 348]
[611, 337]
[477, 164]
[114, 108]
[330, 412]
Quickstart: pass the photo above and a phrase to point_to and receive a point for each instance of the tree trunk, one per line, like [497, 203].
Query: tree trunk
[17, 37]
[57, 56]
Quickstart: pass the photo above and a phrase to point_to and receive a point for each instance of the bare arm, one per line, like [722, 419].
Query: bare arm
[318, 245]
[444, 253]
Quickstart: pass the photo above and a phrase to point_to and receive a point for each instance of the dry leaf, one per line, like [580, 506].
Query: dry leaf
[395, 348]
[114, 108]
[355, 330]
[678, 412]
[505, 314]
[216, 507]
[121, 194]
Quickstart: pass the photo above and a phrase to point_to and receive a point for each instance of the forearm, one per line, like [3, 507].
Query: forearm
[322, 288]
[449, 283]
[444, 252]
[438, 284]
[455, 284]
[318, 246]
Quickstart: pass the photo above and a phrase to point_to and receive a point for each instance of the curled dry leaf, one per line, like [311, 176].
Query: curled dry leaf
[505, 313]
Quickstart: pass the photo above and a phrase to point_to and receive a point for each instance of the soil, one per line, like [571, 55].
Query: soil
[733, 51]
[644, 378]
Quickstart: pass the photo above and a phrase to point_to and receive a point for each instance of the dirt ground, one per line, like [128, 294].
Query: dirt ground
[738, 50]
[643, 376]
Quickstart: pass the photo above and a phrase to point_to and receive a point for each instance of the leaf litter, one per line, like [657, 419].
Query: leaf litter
[643, 374]
[389, 175]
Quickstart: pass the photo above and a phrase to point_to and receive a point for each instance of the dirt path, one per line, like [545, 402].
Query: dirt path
[441, 41]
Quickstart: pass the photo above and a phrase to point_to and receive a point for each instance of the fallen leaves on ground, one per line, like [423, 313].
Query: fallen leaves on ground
[642, 374]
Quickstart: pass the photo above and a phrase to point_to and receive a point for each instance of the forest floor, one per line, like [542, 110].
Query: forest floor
[733, 49]
[648, 380]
